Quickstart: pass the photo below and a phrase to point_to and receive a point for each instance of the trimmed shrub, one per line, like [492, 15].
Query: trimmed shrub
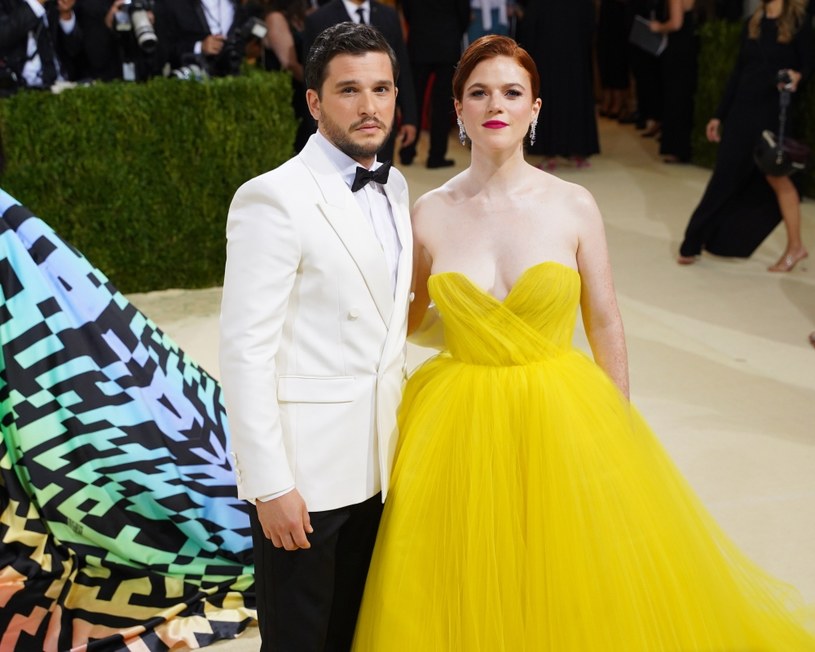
[139, 177]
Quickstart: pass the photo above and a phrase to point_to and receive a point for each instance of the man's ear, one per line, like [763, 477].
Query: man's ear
[313, 102]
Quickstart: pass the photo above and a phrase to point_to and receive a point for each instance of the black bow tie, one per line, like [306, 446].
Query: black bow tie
[363, 176]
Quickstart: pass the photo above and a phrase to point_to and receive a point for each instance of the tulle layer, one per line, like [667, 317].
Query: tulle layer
[533, 510]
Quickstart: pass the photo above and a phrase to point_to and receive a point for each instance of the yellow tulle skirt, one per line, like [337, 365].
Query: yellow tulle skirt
[532, 509]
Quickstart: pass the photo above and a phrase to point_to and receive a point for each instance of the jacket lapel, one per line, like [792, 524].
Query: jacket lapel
[199, 13]
[401, 216]
[342, 212]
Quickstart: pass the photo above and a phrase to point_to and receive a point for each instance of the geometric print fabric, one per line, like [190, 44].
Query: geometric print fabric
[120, 526]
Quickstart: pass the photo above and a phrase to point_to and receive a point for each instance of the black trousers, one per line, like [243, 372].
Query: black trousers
[308, 600]
[441, 107]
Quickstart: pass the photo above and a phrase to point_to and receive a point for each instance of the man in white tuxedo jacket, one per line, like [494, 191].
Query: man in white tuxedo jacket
[312, 353]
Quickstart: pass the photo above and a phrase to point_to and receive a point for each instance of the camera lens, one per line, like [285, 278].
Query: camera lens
[143, 31]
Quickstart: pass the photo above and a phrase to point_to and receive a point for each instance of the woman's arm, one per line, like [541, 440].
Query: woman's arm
[280, 41]
[676, 18]
[598, 300]
[422, 265]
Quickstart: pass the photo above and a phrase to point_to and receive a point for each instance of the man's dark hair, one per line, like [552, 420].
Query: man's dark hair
[344, 38]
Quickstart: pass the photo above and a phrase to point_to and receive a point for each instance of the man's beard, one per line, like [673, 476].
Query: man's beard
[342, 139]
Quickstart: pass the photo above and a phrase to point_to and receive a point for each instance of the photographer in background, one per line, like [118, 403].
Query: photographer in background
[39, 41]
[210, 33]
[119, 40]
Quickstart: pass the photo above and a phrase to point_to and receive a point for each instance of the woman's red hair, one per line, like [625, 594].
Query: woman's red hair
[489, 47]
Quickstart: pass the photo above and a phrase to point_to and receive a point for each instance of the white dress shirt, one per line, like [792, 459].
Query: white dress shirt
[220, 15]
[486, 7]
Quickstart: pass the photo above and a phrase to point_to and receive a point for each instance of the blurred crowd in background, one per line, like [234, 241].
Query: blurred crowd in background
[581, 47]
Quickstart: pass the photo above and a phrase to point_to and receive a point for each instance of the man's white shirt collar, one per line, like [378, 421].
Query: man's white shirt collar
[346, 166]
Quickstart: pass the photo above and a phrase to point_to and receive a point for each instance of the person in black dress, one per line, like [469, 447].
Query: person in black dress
[678, 80]
[558, 34]
[612, 56]
[646, 69]
[741, 206]
[285, 21]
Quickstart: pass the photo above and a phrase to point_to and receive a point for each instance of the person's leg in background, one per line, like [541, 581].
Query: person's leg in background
[441, 115]
[790, 204]
[421, 76]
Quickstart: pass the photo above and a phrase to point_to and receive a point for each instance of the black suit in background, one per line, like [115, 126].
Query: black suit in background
[558, 34]
[104, 51]
[386, 20]
[182, 24]
[645, 67]
[17, 19]
[435, 32]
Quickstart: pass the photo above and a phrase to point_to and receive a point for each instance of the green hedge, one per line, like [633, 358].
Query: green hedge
[719, 46]
[139, 177]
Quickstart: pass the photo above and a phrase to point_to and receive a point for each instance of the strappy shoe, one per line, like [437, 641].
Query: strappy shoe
[788, 261]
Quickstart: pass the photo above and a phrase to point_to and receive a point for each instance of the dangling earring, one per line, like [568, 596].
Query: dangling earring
[462, 135]
[533, 125]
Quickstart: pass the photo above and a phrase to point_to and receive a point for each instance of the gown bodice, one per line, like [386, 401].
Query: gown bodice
[534, 322]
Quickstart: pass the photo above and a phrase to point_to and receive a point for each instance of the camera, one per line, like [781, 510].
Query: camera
[235, 45]
[190, 72]
[132, 18]
[783, 77]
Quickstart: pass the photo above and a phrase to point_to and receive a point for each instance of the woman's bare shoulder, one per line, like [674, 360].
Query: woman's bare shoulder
[571, 195]
[439, 199]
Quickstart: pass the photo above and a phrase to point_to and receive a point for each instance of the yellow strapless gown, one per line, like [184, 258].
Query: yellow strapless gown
[532, 508]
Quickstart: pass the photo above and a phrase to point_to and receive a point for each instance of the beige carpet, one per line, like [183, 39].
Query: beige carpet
[720, 362]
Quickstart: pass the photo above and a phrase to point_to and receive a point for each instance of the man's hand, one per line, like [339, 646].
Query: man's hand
[285, 521]
[213, 44]
[406, 135]
[114, 7]
[794, 79]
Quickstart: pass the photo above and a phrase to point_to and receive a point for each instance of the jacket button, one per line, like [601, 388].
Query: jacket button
[353, 314]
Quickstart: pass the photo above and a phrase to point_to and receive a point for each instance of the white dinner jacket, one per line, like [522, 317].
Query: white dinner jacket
[312, 335]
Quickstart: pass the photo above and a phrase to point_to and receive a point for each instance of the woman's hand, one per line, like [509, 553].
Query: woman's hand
[712, 130]
[792, 84]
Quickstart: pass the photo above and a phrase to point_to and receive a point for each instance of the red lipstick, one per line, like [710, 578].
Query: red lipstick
[494, 124]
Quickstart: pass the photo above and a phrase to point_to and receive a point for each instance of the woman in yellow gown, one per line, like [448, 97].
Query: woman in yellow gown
[531, 507]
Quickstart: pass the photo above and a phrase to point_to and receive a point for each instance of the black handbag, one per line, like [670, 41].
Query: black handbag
[780, 156]
[642, 36]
